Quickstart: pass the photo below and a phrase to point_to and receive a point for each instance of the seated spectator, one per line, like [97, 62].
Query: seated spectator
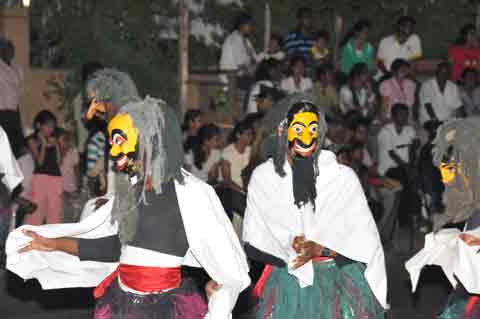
[235, 157]
[320, 53]
[300, 41]
[268, 74]
[204, 159]
[238, 53]
[470, 92]
[465, 53]
[357, 49]
[358, 94]
[439, 97]
[266, 99]
[274, 50]
[192, 121]
[296, 82]
[397, 89]
[396, 143]
[403, 44]
[325, 89]
[360, 137]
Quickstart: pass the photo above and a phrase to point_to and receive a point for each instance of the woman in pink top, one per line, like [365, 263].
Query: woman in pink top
[397, 89]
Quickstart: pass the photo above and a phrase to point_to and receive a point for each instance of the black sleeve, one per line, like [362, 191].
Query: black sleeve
[258, 255]
[105, 249]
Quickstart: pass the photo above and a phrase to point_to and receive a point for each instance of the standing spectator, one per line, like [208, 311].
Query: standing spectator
[358, 94]
[71, 176]
[320, 53]
[268, 74]
[238, 53]
[325, 89]
[439, 97]
[80, 105]
[357, 49]
[403, 44]
[470, 92]
[96, 154]
[192, 121]
[300, 41]
[397, 89]
[396, 142]
[47, 181]
[296, 82]
[465, 53]
[204, 160]
[11, 88]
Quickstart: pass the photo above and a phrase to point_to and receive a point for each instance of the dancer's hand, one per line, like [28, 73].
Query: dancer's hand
[306, 250]
[211, 287]
[38, 242]
[470, 240]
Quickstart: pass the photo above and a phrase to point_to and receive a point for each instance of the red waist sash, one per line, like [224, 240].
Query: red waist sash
[142, 279]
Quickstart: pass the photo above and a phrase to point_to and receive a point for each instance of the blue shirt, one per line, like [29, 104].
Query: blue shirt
[296, 43]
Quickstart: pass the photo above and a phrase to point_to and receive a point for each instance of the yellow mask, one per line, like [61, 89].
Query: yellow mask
[304, 129]
[449, 171]
[123, 137]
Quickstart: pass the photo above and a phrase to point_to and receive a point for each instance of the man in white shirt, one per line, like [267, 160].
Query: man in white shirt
[403, 44]
[396, 143]
[238, 53]
[439, 97]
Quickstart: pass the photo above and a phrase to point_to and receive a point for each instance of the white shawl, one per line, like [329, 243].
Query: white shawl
[342, 220]
[213, 245]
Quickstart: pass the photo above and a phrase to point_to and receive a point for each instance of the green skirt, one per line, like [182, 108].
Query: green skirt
[336, 293]
[461, 306]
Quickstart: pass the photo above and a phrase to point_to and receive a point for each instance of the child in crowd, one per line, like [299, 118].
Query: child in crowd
[191, 124]
[70, 173]
[47, 181]
[320, 53]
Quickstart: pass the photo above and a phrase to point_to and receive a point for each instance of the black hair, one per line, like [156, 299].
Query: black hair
[240, 128]
[406, 19]
[302, 12]
[397, 108]
[205, 133]
[468, 71]
[189, 116]
[294, 60]
[276, 36]
[300, 108]
[463, 34]
[88, 69]
[357, 70]
[264, 69]
[358, 27]
[443, 65]
[241, 19]
[7, 50]
[42, 118]
[323, 69]
[397, 64]
[321, 34]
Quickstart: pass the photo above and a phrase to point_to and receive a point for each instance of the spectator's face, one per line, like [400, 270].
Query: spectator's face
[401, 118]
[403, 72]
[196, 123]
[472, 39]
[298, 68]
[357, 155]
[274, 45]
[47, 128]
[443, 74]
[363, 35]
[246, 137]
[321, 43]
[306, 21]
[247, 28]
[213, 143]
[361, 134]
[405, 30]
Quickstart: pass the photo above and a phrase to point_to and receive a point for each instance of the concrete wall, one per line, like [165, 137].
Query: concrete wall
[15, 25]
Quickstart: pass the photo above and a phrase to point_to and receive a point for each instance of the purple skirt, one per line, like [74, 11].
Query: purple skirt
[184, 302]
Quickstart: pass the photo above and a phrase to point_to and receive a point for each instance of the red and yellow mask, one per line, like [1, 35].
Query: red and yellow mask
[303, 133]
[123, 140]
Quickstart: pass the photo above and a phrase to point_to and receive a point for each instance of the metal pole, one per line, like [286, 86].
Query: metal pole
[183, 55]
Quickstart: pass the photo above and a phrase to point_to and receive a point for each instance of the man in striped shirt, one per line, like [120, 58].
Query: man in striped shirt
[300, 41]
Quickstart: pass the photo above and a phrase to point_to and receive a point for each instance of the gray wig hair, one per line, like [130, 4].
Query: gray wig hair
[160, 141]
[113, 86]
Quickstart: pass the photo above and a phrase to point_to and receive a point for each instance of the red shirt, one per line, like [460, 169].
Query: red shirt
[462, 58]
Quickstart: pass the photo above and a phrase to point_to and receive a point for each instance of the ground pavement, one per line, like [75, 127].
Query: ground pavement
[20, 300]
